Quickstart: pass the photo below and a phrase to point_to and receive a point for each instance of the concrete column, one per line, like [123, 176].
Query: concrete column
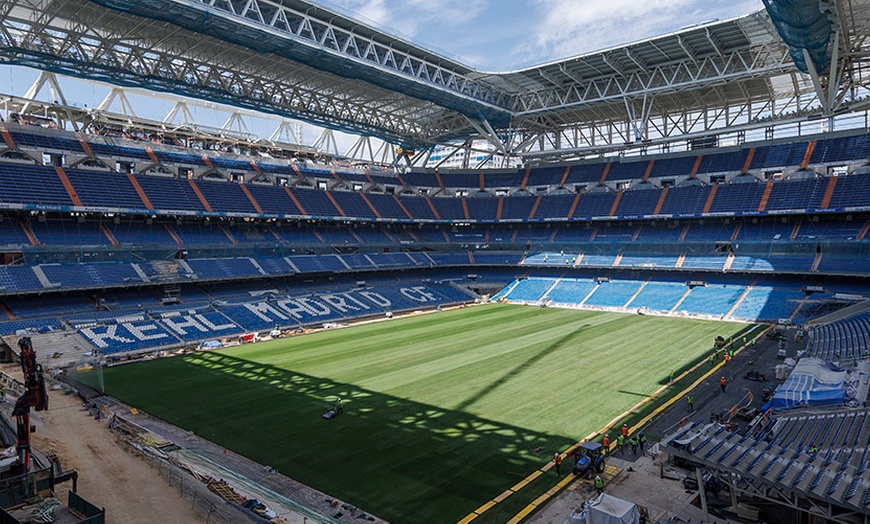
[732, 483]
[699, 474]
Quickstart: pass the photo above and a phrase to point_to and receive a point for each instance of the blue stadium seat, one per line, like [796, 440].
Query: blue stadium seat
[226, 197]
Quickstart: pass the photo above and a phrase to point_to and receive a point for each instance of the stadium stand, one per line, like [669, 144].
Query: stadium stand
[131, 236]
[843, 340]
[167, 229]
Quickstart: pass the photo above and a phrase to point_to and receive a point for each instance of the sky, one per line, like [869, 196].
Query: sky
[488, 35]
[504, 35]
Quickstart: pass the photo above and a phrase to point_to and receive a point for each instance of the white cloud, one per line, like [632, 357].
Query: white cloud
[572, 27]
[408, 18]
[375, 12]
[507, 34]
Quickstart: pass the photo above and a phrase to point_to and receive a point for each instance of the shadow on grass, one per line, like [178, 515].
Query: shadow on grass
[401, 460]
[516, 371]
[633, 393]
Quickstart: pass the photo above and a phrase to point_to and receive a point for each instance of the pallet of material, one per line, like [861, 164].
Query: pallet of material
[224, 491]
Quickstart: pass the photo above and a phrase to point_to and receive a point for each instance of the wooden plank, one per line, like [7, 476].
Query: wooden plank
[535, 207]
[369, 203]
[432, 207]
[748, 160]
[401, 205]
[7, 137]
[565, 176]
[661, 201]
[648, 170]
[199, 194]
[295, 200]
[70, 190]
[615, 203]
[767, 189]
[574, 205]
[141, 192]
[526, 178]
[811, 145]
[604, 174]
[334, 203]
[696, 166]
[710, 198]
[251, 198]
[829, 192]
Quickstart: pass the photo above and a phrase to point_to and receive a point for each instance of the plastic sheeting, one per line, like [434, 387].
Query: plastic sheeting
[606, 509]
[812, 383]
[802, 25]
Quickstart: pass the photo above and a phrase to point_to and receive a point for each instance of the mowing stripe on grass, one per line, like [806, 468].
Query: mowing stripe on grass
[442, 411]
[552, 492]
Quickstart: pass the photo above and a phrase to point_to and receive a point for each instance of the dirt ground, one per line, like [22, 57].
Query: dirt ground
[109, 476]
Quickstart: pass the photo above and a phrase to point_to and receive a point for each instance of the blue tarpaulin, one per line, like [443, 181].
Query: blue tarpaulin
[812, 383]
[802, 25]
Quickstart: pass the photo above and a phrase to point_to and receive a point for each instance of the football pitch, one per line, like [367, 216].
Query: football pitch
[443, 411]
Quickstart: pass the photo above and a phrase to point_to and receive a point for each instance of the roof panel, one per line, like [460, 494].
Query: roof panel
[392, 98]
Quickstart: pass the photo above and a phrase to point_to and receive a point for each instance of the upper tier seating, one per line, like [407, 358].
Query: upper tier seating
[98, 188]
[170, 193]
[841, 149]
[29, 184]
[163, 193]
[225, 197]
[842, 340]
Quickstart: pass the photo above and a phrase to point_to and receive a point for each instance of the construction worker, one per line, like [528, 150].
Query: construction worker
[690, 402]
[713, 359]
[620, 444]
[727, 356]
[557, 460]
[641, 440]
[723, 383]
[599, 484]
[813, 449]
[671, 380]
[625, 430]
[606, 442]
[633, 443]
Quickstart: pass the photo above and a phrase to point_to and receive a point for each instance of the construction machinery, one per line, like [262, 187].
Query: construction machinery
[590, 461]
[34, 397]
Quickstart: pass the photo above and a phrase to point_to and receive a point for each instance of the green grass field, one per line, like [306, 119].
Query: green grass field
[443, 411]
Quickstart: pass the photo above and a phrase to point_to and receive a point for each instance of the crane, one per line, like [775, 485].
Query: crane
[34, 397]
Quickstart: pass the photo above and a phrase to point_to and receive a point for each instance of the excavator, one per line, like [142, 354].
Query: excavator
[34, 485]
[34, 397]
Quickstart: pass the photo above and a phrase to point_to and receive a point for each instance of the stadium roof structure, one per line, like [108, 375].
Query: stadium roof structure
[299, 60]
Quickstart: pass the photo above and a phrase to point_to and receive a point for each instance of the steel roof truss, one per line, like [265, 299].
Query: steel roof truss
[136, 58]
[737, 66]
[342, 41]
